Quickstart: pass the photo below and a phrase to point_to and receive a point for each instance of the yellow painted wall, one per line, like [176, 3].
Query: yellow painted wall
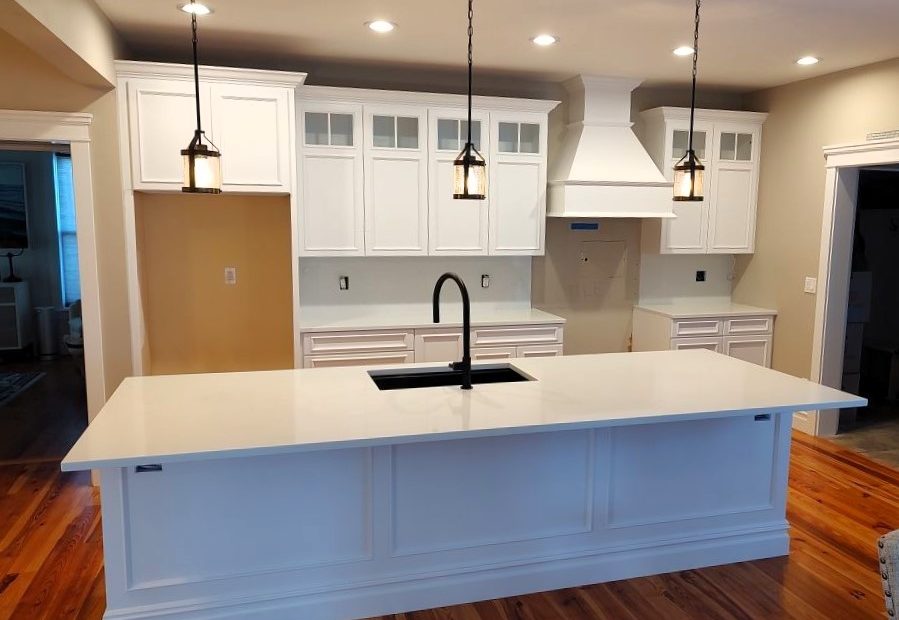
[803, 118]
[195, 322]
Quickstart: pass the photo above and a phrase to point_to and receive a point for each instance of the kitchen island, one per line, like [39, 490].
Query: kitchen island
[312, 494]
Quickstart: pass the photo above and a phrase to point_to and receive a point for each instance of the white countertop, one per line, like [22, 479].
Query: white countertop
[196, 417]
[703, 308]
[315, 320]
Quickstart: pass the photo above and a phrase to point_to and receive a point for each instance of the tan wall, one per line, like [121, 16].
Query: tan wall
[804, 117]
[195, 322]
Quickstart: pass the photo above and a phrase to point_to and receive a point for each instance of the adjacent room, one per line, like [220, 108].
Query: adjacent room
[507, 310]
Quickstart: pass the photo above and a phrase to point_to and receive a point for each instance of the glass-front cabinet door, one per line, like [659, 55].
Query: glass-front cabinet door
[732, 210]
[686, 234]
[517, 183]
[456, 227]
[396, 180]
[330, 179]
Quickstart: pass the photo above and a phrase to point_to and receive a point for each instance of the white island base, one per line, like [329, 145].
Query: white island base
[401, 522]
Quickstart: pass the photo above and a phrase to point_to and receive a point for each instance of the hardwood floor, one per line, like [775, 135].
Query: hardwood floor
[43, 422]
[839, 503]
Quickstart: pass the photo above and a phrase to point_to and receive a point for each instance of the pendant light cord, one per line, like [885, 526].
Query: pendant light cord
[193, 23]
[470, 36]
[695, 59]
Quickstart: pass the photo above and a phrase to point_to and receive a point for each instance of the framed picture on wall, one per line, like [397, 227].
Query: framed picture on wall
[13, 206]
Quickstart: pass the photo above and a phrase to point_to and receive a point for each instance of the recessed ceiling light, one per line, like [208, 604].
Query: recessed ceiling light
[808, 60]
[545, 40]
[196, 8]
[381, 26]
[683, 50]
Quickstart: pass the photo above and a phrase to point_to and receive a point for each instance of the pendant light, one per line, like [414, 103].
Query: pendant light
[202, 161]
[688, 172]
[469, 168]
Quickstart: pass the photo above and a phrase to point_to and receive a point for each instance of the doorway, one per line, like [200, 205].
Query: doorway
[43, 405]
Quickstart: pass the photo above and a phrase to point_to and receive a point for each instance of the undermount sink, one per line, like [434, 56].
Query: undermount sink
[442, 376]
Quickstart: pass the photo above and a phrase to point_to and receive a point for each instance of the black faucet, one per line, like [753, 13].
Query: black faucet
[465, 364]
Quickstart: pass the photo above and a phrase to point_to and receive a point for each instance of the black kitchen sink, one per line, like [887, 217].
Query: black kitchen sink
[442, 376]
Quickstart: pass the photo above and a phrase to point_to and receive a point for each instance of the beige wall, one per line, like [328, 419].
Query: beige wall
[804, 117]
[40, 85]
[195, 322]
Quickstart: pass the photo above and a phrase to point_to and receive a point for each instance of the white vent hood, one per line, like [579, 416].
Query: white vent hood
[602, 170]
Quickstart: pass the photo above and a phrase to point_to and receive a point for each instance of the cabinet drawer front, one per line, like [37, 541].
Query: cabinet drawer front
[696, 327]
[494, 353]
[526, 334]
[373, 359]
[682, 344]
[347, 342]
[552, 350]
[749, 325]
[755, 349]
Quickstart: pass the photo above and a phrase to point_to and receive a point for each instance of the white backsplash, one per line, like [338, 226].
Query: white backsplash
[672, 277]
[379, 283]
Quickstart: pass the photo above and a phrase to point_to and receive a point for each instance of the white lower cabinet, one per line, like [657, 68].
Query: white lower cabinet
[434, 345]
[748, 337]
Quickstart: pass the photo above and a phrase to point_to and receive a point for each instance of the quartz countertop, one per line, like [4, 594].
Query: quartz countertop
[321, 320]
[703, 308]
[165, 419]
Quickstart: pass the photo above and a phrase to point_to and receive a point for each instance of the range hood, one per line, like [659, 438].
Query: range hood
[602, 170]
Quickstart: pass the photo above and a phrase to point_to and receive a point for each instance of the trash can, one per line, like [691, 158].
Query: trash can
[47, 340]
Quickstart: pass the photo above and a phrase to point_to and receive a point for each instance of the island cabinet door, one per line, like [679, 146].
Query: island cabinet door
[396, 181]
[438, 345]
[456, 227]
[696, 475]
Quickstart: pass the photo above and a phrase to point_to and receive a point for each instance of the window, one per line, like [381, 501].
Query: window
[68, 236]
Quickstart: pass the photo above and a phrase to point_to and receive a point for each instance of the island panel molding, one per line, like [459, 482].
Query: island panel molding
[312, 494]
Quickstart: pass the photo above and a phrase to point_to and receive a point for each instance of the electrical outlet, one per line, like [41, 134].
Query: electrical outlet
[343, 283]
[811, 285]
[485, 280]
[700, 275]
[230, 276]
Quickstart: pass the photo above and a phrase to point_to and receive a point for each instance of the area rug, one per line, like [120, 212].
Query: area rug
[14, 383]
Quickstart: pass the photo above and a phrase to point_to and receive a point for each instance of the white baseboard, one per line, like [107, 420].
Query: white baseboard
[806, 421]
[429, 592]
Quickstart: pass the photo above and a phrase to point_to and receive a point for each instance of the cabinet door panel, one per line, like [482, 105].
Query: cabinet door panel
[688, 232]
[750, 349]
[732, 216]
[438, 345]
[456, 227]
[517, 208]
[162, 120]
[330, 208]
[251, 126]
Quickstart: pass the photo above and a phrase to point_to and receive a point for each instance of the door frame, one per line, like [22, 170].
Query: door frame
[73, 129]
[843, 163]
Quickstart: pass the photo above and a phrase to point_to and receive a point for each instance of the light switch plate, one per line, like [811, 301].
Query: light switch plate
[811, 285]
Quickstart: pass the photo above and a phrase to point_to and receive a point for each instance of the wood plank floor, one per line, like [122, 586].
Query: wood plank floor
[839, 503]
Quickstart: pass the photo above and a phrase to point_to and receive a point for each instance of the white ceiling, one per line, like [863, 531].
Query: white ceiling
[746, 44]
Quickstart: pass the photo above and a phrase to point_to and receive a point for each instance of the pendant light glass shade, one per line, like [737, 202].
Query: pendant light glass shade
[470, 167]
[469, 175]
[201, 161]
[688, 178]
[202, 167]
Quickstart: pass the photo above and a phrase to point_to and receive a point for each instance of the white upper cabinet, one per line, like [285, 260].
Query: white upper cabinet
[405, 206]
[162, 118]
[728, 144]
[248, 121]
[456, 227]
[396, 180]
[330, 179]
[516, 169]
[247, 114]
